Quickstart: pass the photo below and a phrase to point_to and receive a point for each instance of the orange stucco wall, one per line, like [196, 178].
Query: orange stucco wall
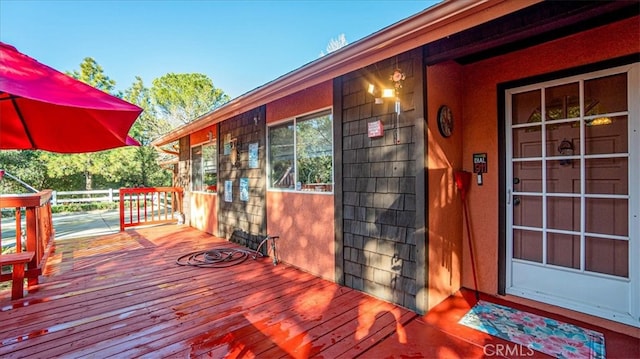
[304, 221]
[444, 157]
[308, 100]
[480, 113]
[203, 212]
[203, 135]
[305, 225]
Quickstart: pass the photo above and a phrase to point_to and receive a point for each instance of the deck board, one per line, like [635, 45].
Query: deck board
[123, 295]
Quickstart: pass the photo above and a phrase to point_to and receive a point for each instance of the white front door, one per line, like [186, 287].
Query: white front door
[573, 193]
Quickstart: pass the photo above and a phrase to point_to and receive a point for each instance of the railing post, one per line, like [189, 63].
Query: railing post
[121, 195]
[54, 198]
[47, 222]
[18, 230]
[32, 241]
[110, 195]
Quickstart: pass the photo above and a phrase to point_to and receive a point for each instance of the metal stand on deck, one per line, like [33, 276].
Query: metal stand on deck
[273, 247]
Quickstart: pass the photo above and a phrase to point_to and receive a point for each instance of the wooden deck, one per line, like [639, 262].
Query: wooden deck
[123, 296]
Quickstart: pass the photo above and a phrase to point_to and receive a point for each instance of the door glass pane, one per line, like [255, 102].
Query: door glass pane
[607, 175]
[608, 136]
[563, 213]
[527, 176]
[606, 94]
[527, 245]
[563, 176]
[563, 250]
[526, 107]
[527, 142]
[563, 139]
[607, 256]
[563, 101]
[527, 211]
[607, 216]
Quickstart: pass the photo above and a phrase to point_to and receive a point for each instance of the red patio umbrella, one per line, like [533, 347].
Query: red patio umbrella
[42, 108]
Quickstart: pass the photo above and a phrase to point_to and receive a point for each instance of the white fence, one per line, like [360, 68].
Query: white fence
[105, 195]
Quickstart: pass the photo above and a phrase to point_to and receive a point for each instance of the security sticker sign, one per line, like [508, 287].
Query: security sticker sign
[479, 163]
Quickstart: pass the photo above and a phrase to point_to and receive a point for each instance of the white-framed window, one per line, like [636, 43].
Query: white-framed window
[301, 153]
[204, 169]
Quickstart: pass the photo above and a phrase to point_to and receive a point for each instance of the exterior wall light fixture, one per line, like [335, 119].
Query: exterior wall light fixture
[380, 94]
[371, 89]
[388, 93]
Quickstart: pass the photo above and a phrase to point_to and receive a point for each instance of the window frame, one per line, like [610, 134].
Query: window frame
[294, 122]
[202, 145]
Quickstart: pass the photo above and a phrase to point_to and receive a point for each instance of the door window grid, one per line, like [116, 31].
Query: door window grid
[542, 124]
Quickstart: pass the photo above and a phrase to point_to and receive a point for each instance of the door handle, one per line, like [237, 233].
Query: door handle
[508, 197]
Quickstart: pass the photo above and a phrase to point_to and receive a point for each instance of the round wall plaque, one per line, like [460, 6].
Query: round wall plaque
[445, 121]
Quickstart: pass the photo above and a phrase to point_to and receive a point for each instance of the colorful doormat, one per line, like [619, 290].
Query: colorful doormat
[561, 340]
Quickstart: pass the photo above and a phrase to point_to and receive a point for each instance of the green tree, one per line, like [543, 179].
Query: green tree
[148, 126]
[25, 165]
[87, 164]
[72, 169]
[92, 74]
[181, 98]
[143, 168]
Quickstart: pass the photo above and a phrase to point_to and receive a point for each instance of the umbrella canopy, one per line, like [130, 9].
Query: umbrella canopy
[42, 108]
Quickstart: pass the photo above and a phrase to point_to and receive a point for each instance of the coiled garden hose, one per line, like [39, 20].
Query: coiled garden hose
[227, 257]
[217, 258]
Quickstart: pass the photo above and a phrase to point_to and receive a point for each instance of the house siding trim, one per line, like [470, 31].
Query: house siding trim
[337, 183]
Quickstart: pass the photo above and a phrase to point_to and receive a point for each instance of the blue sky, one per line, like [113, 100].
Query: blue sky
[240, 45]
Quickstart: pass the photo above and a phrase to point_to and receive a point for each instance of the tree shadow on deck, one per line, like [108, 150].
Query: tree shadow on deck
[134, 300]
[290, 311]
